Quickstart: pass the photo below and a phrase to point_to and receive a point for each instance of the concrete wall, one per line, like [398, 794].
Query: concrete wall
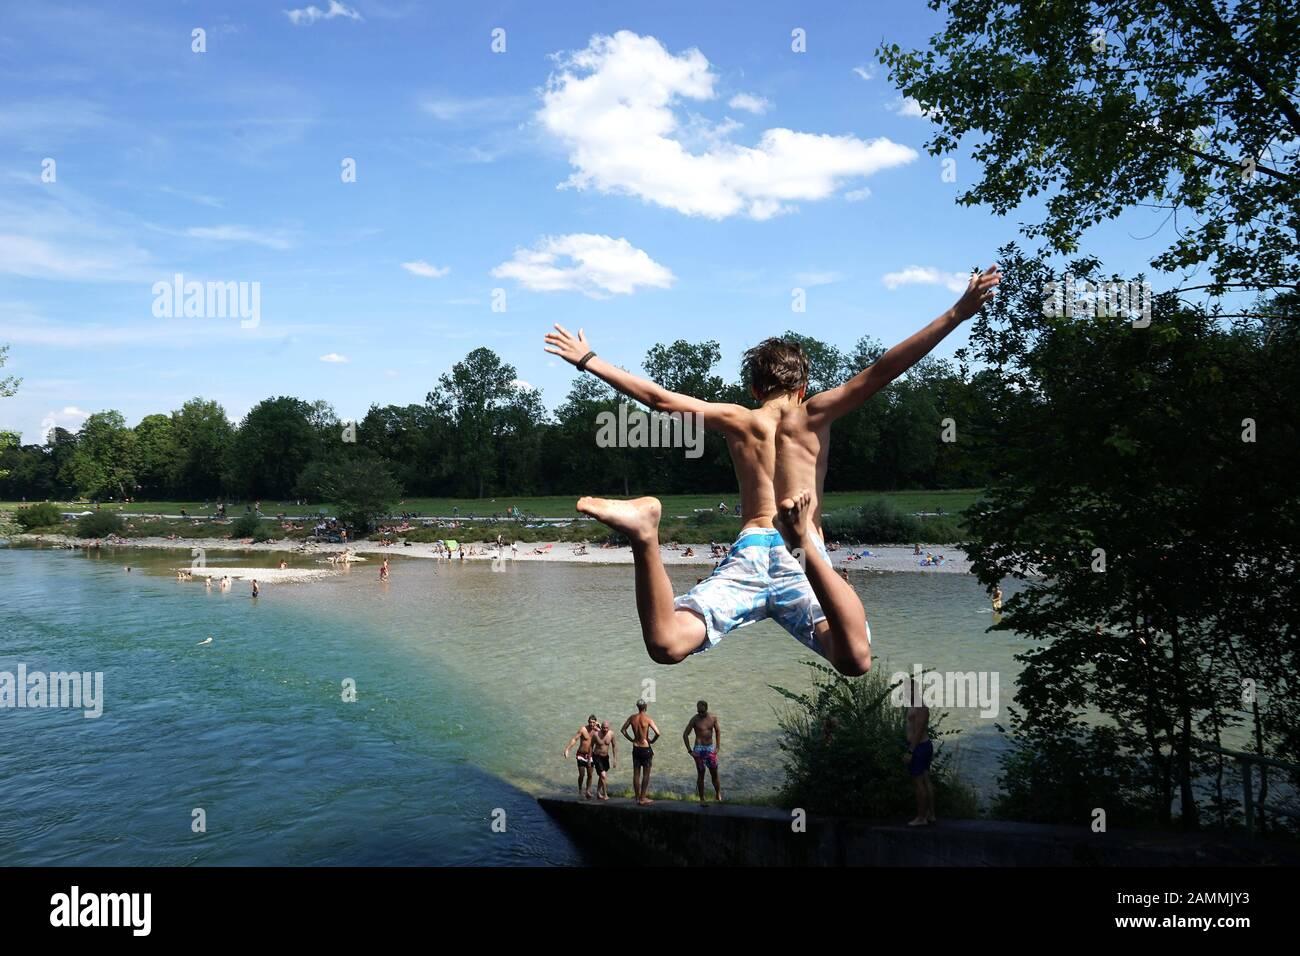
[683, 834]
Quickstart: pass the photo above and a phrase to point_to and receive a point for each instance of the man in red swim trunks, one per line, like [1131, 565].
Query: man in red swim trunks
[708, 738]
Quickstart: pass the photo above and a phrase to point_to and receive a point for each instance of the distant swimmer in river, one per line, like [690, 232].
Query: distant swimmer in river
[997, 598]
[383, 570]
[256, 590]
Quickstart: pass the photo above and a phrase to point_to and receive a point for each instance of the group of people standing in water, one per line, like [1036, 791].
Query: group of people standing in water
[597, 746]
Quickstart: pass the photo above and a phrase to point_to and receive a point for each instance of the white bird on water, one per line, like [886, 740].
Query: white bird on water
[202, 643]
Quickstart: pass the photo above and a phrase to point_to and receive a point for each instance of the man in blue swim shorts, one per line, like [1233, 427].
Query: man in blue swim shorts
[778, 568]
[920, 753]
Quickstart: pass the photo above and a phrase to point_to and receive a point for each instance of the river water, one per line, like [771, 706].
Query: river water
[468, 684]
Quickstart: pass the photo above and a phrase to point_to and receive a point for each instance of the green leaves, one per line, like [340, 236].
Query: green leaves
[1110, 105]
[1130, 440]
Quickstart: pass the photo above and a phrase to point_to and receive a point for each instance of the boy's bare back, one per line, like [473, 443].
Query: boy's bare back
[776, 449]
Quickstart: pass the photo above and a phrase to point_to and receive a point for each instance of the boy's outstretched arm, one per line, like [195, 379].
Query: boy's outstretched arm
[719, 416]
[837, 402]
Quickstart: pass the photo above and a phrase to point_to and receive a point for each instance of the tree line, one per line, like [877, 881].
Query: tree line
[479, 433]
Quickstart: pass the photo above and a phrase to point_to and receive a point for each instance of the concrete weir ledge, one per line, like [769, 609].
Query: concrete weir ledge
[680, 833]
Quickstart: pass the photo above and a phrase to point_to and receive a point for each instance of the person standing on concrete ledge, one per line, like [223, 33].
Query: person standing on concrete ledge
[920, 751]
[708, 740]
[601, 745]
[583, 739]
[645, 733]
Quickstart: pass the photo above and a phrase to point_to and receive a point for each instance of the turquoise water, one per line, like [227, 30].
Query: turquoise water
[252, 729]
[469, 683]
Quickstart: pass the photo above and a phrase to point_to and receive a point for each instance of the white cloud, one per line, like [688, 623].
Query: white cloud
[864, 72]
[750, 103]
[473, 108]
[200, 198]
[36, 258]
[391, 373]
[810, 279]
[421, 268]
[49, 121]
[520, 383]
[29, 329]
[334, 358]
[906, 106]
[306, 16]
[271, 240]
[596, 266]
[613, 106]
[857, 195]
[69, 417]
[926, 275]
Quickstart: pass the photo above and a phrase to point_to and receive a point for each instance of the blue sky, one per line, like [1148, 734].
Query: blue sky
[645, 171]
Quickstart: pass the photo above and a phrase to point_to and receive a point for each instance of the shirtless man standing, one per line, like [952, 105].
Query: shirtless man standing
[643, 754]
[583, 739]
[920, 751]
[708, 741]
[602, 743]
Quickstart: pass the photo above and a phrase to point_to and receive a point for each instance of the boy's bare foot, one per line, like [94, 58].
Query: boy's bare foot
[791, 519]
[918, 822]
[638, 519]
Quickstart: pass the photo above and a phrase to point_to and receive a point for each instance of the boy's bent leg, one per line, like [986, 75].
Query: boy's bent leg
[670, 634]
[844, 637]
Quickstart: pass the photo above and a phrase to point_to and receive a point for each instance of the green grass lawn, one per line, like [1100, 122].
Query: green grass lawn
[555, 506]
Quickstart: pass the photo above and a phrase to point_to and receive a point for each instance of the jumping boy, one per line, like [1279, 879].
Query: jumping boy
[778, 566]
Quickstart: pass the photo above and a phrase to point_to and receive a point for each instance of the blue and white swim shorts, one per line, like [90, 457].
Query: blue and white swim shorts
[758, 579]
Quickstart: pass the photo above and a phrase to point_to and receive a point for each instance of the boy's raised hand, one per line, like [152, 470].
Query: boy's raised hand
[982, 287]
[566, 345]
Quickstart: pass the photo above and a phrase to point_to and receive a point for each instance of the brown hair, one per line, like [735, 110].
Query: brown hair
[775, 365]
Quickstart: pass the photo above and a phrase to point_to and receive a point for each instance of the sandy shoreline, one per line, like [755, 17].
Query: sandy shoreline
[882, 558]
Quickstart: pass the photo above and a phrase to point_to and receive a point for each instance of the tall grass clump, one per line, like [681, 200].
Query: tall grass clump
[843, 744]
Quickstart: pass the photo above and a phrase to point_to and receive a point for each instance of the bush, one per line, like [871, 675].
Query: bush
[99, 524]
[942, 529]
[1062, 777]
[246, 526]
[844, 743]
[706, 517]
[876, 522]
[41, 515]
